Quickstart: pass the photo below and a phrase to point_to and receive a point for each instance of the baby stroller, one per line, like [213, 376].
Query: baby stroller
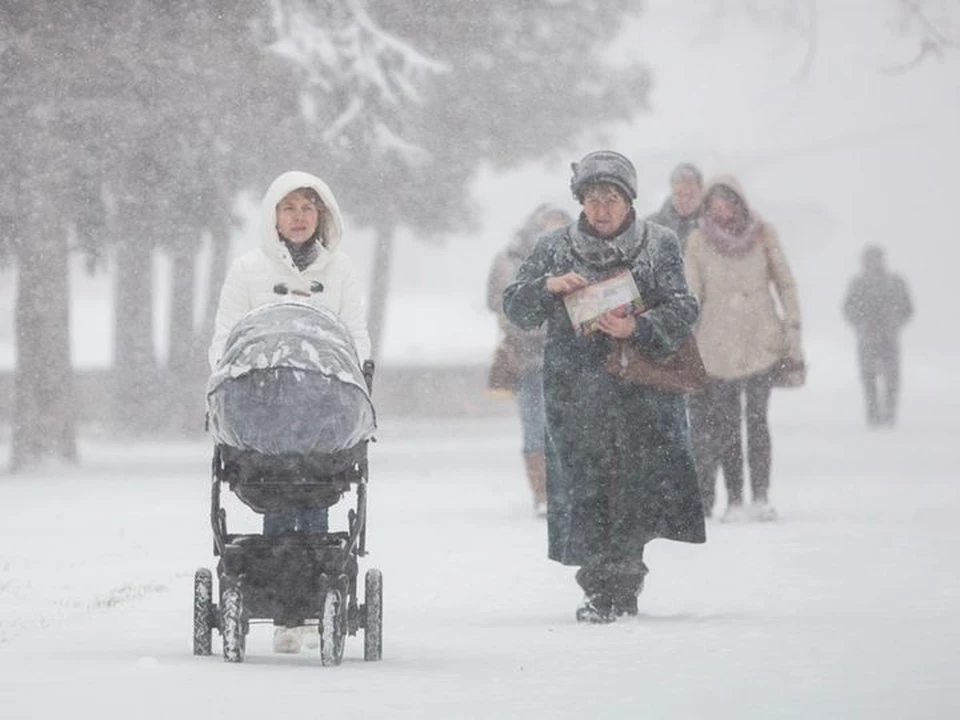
[290, 413]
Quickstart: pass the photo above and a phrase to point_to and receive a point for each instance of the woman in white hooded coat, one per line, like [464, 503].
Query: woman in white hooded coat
[298, 248]
[298, 259]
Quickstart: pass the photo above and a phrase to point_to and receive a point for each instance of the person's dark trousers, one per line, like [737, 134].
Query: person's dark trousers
[755, 391]
[717, 418]
[703, 433]
[880, 365]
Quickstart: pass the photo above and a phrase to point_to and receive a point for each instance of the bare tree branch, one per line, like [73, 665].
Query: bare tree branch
[811, 32]
[926, 48]
[932, 26]
[934, 35]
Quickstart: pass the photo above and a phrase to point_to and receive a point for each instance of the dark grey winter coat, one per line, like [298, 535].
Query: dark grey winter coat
[620, 471]
[668, 216]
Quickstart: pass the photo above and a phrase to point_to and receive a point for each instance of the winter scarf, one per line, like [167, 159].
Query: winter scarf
[304, 253]
[731, 242]
[606, 254]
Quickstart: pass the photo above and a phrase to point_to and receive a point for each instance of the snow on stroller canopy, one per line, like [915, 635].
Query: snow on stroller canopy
[289, 382]
[290, 335]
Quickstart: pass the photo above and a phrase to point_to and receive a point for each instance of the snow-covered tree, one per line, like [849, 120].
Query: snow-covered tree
[443, 89]
[134, 126]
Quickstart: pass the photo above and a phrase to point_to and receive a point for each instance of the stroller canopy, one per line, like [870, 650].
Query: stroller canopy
[289, 382]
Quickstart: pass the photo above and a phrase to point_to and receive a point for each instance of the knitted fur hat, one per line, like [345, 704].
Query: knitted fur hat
[604, 166]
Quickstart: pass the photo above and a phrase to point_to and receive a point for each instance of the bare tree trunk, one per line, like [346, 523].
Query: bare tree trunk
[44, 418]
[181, 343]
[186, 365]
[380, 290]
[137, 401]
[220, 239]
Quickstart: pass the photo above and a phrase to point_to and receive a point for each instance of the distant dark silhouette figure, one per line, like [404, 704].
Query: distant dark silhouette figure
[878, 306]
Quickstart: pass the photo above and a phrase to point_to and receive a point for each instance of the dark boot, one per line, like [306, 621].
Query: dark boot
[597, 605]
[625, 590]
[596, 609]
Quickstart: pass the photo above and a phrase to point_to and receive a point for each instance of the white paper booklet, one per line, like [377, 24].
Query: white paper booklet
[587, 304]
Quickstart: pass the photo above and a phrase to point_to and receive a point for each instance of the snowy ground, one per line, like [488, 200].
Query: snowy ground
[849, 607]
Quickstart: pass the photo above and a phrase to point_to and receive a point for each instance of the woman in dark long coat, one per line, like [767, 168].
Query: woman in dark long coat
[620, 469]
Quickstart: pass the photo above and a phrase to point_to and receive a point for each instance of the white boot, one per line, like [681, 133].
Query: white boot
[763, 511]
[286, 640]
[736, 513]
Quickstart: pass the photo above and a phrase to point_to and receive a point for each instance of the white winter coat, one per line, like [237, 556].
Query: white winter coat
[251, 279]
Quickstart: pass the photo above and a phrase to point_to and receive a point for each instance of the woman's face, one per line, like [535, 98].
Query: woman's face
[686, 196]
[297, 217]
[724, 211]
[605, 208]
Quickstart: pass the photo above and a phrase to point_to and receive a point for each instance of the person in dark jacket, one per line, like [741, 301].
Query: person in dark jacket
[681, 211]
[518, 362]
[620, 467]
[878, 306]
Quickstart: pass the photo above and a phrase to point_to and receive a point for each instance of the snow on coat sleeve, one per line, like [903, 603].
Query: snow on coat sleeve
[353, 313]
[234, 303]
[526, 301]
[674, 310]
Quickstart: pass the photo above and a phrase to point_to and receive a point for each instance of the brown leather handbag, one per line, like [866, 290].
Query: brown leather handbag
[680, 372]
[503, 375]
[789, 373]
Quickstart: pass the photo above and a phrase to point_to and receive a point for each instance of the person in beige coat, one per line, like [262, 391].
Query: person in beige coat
[517, 366]
[736, 268]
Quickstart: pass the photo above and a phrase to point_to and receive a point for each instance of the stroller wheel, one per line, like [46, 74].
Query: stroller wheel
[333, 627]
[202, 612]
[231, 624]
[373, 615]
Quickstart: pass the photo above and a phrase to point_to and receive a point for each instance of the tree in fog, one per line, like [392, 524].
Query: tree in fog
[133, 127]
[931, 28]
[126, 125]
[499, 84]
[48, 184]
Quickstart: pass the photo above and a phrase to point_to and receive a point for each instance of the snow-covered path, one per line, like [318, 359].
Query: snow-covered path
[849, 607]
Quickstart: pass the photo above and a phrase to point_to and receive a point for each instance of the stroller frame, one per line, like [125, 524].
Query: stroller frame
[292, 577]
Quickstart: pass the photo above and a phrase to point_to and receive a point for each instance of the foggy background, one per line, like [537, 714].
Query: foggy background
[138, 139]
[840, 119]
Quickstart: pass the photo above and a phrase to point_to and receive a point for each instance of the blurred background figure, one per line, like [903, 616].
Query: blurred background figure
[731, 260]
[681, 211]
[517, 366]
[878, 306]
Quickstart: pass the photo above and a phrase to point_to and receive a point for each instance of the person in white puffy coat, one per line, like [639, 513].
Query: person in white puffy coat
[300, 232]
[299, 260]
